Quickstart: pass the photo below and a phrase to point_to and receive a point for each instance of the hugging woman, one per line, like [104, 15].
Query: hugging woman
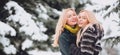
[66, 30]
[89, 36]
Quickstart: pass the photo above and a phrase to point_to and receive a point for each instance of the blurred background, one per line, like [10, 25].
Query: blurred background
[27, 26]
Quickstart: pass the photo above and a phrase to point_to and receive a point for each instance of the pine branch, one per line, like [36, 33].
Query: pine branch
[112, 40]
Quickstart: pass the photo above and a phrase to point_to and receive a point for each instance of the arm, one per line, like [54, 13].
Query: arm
[89, 39]
[74, 50]
[87, 43]
[55, 42]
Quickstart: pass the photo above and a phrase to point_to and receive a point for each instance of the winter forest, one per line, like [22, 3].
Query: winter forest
[27, 26]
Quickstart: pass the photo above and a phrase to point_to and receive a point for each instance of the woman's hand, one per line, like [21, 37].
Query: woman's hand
[55, 43]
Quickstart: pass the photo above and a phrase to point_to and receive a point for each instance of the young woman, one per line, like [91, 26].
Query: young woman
[90, 34]
[66, 30]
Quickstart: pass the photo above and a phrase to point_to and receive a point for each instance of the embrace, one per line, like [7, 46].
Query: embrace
[78, 34]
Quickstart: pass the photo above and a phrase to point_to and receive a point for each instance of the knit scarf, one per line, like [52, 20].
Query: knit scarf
[71, 29]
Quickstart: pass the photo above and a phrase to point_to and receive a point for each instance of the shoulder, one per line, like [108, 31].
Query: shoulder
[94, 27]
[90, 28]
[64, 34]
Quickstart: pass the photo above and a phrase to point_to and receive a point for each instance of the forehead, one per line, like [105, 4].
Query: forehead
[83, 14]
[70, 12]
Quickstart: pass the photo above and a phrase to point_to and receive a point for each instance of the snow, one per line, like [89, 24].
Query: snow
[6, 29]
[27, 44]
[29, 27]
[42, 11]
[103, 2]
[20, 16]
[38, 52]
[106, 25]
[40, 37]
[93, 7]
[10, 49]
[99, 17]
[112, 23]
[41, 26]
[43, 15]
[56, 11]
[112, 6]
[100, 6]
[4, 41]
[116, 47]
[82, 1]
[42, 8]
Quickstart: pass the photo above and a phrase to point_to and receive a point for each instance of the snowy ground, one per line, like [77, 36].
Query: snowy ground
[37, 52]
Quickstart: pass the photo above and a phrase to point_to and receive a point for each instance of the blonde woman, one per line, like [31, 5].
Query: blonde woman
[66, 30]
[90, 34]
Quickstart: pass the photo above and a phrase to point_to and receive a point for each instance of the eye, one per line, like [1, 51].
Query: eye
[69, 16]
[79, 17]
[84, 18]
[74, 15]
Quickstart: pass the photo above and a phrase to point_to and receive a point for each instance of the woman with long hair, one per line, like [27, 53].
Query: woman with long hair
[66, 30]
[89, 36]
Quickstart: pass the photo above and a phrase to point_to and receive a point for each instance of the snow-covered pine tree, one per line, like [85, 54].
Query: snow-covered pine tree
[20, 32]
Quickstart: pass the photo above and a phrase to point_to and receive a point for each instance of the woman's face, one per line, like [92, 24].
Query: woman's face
[82, 19]
[71, 18]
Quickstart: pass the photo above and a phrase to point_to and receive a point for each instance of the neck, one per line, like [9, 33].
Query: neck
[73, 29]
[71, 25]
[83, 27]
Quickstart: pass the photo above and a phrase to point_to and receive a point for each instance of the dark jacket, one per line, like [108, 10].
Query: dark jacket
[89, 43]
[65, 40]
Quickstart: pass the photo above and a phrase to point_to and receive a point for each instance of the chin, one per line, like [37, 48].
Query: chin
[74, 23]
[80, 25]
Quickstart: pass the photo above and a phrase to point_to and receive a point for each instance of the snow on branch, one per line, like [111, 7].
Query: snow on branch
[28, 25]
[6, 29]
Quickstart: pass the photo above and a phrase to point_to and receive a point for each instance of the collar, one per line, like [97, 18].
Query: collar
[71, 29]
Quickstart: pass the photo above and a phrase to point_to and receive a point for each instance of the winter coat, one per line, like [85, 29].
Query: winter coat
[89, 42]
[65, 40]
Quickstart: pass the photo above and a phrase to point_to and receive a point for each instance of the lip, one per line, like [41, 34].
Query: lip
[73, 21]
[80, 23]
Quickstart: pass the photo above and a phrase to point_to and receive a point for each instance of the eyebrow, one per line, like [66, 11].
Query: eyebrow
[82, 16]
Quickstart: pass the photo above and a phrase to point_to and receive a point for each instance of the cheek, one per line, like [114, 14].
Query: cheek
[82, 22]
[79, 20]
[68, 20]
[76, 19]
[71, 22]
[85, 22]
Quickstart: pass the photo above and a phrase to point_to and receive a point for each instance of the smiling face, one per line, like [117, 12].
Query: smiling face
[82, 19]
[71, 18]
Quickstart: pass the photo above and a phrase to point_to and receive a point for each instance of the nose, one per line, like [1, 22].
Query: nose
[74, 17]
[79, 19]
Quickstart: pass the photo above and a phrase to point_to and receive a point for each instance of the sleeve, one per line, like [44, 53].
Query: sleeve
[74, 50]
[90, 37]
[88, 42]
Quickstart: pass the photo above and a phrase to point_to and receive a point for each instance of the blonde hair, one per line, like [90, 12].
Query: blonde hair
[60, 25]
[91, 19]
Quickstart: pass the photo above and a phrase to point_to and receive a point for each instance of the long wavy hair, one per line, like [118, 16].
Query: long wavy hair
[62, 22]
[91, 20]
